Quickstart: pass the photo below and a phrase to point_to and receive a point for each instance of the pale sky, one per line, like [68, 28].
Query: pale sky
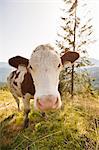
[25, 24]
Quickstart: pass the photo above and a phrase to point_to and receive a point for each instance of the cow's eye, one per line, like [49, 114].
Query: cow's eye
[30, 67]
[59, 65]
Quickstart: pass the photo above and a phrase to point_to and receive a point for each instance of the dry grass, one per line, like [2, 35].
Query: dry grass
[74, 127]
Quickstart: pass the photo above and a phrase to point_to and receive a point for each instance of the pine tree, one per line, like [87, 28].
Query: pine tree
[75, 34]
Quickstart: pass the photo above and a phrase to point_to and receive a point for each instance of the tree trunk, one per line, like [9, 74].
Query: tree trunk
[74, 45]
[72, 82]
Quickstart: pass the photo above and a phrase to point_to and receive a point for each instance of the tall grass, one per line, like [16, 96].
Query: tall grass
[73, 127]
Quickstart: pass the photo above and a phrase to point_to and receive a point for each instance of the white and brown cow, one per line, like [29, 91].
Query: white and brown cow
[38, 78]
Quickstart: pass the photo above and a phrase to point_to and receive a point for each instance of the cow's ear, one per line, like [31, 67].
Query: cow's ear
[18, 60]
[69, 57]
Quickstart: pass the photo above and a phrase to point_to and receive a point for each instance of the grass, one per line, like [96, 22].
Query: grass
[74, 127]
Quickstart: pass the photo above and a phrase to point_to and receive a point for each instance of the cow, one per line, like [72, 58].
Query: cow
[38, 78]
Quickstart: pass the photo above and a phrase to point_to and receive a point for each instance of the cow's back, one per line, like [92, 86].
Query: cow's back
[14, 84]
[20, 82]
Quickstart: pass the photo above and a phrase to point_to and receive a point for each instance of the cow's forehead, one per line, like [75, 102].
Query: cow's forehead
[44, 54]
[41, 49]
[44, 47]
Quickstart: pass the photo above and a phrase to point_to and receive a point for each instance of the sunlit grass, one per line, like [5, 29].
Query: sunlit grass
[74, 127]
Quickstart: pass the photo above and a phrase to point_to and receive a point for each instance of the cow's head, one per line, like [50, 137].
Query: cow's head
[45, 65]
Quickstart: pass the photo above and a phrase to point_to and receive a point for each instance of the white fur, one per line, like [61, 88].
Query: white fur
[45, 72]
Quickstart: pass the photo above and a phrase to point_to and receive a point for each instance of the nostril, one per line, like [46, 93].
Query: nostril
[56, 101]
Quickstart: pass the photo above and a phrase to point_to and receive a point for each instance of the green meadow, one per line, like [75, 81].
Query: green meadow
[74, 127]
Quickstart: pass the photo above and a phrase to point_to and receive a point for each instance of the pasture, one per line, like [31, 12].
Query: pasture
[74, 127]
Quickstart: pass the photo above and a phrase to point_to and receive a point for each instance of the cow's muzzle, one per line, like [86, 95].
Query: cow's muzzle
[48, 102]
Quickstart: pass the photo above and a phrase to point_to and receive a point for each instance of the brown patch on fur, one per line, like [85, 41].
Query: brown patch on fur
[17, 74]
[13, 73]
[27, 85]
[15, 83]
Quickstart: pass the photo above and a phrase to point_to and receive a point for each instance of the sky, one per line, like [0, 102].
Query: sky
[24, 24]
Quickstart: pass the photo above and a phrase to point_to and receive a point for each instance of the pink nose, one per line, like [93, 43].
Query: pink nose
[48, 102]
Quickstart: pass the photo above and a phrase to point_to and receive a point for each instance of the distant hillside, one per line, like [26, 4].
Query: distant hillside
[94, 74]
[94, 61]
[93, 70]
[5, 69]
